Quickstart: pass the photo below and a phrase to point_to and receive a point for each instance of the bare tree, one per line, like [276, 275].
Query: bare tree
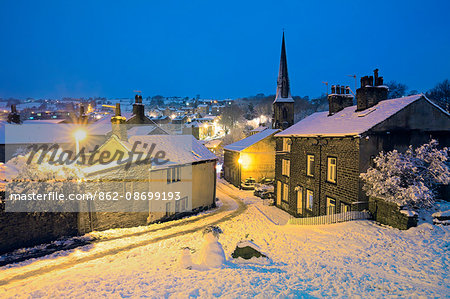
[441, 94]
[231, 116]
[396, 90]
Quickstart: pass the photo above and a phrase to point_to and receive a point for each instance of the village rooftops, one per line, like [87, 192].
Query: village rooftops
[349, 122]
[249, 141]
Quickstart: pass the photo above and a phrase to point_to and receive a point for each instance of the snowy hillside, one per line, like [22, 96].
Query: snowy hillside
[358, 258]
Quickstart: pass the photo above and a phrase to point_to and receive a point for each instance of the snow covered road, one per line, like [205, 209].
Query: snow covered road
[353, 259]
[119, 240]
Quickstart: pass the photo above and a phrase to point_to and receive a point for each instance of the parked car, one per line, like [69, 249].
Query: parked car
[248, 184]
[266, 181]
[260, 189]
[267, 194]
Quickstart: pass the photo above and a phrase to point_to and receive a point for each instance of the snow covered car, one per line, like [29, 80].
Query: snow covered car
[261, 189]
[249, 184]
[267, 194]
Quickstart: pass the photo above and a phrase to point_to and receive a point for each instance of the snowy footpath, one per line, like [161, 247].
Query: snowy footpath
[353, 259]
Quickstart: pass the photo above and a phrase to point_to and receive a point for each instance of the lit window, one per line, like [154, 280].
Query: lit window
[286, 145]
[331, 170]
[285, 167]
[310, 165]
[345, 207]
[309, 199]
[331, 206]
[285, 192]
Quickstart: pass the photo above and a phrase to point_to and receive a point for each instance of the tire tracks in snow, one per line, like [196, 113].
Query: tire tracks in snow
[241, 208]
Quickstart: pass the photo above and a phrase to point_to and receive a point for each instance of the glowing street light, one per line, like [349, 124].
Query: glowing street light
[79, 135]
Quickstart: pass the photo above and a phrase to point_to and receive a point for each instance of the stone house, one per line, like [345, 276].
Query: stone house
[250, 157]
[189, 172]
[320, 158]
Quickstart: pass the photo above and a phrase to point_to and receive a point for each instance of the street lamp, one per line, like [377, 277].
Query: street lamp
[79, 135]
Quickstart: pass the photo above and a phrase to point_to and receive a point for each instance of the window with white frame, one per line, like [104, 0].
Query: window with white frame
[309, 199]
[285, 167]
[286, 145]
[173, 174]
[285, 192]
[331, 169]
[331, 206]
[310, 165]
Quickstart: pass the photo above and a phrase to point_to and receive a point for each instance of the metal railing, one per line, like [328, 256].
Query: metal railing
[330, 219]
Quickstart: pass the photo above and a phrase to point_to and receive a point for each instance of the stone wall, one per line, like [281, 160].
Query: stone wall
[389, 213]
[231, 167]
[19, 230]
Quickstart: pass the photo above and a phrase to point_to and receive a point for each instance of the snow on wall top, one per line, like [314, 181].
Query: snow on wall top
[246, 142]
[348, 121]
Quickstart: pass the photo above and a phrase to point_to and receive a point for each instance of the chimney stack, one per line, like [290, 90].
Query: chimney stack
[371, 92]
[339, 99]
[14, 117]
[82, 118]
[138, 107]
[119, 128]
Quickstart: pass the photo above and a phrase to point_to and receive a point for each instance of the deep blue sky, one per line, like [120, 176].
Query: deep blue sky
[216, 48]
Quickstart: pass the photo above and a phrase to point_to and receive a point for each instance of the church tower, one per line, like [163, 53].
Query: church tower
[283, 106]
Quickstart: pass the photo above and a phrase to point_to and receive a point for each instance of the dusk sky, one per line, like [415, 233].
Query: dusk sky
[216, 49]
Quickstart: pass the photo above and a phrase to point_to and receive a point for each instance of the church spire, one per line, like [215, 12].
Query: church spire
[283, 90]
[283, 106]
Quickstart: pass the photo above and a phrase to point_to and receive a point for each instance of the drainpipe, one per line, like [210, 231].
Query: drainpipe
[320, 143]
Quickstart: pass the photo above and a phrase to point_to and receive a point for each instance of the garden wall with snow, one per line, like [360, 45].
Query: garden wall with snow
[391, 214]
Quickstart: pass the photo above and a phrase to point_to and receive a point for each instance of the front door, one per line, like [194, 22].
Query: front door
[299, 200]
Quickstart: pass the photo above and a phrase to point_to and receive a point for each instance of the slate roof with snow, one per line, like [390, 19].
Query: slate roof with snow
[348, 122]
[259, 129]
[213, 143]
[179, 149]
[142, 130]
[247, 142]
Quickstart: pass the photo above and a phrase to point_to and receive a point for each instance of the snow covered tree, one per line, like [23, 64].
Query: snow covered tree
[410, 178]
[26, 174]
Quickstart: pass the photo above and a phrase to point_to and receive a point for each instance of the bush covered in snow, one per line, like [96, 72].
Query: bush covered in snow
[410, 178]
[28, 174]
